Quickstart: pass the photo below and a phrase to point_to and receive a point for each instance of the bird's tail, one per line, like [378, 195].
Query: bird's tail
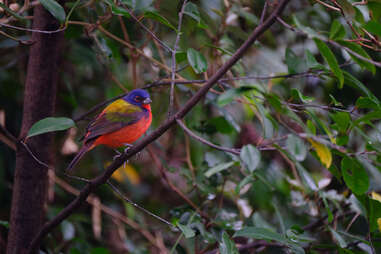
[85, 148]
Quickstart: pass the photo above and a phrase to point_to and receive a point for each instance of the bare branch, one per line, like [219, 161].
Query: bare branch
[146, 29]
[109, 211]
[33, 30]
[8, 138]
[263, 12]
[206, 142]
[120, 194]
[378, 64]
[173, 65]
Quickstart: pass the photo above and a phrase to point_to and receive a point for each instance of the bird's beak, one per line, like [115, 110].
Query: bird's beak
[147, 101]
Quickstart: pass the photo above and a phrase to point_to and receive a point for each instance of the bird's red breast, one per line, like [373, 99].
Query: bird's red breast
[128, 134]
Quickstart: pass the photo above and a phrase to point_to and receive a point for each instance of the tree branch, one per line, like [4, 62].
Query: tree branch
[173, 64]
[206, 142]
[101, 179]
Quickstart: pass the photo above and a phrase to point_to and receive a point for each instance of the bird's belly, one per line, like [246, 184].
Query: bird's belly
[126, 135]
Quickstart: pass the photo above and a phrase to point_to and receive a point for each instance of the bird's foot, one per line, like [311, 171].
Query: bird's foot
[127, 146]
[118, 154]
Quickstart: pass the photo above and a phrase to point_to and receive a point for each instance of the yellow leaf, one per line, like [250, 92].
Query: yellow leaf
[323, 152]
[376, 196]
[126, 171]
[379, 224]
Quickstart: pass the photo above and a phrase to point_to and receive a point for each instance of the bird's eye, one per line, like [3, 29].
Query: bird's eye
[138, 98]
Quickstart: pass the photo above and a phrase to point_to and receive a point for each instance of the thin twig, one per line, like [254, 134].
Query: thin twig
[109, 211]
[8, 138]
[33, 155]
[378, 64]
[328, 6]
[33, 30]
[173, 187]
[263, 12]
[173, 64]
[106, 174]
[146, 29]
[117, 191]
[206, 142]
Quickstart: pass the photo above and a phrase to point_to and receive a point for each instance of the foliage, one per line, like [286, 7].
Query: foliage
[301, 110]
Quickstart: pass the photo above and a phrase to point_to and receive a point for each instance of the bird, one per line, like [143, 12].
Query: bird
[120, 124]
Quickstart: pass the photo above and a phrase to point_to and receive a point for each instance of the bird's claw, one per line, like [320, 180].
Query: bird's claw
[118, 154]
[128, 146]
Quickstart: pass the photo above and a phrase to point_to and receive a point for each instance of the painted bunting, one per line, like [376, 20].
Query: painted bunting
[121, 123]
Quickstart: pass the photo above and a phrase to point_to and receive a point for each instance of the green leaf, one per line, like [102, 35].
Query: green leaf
[192, 11]
[306, 177]
[342, 120]
[267, 234]
[156, 16]
[4, 224]
[339, 239]
[347, 8]
[335, 102]
[197, 61]
[295, 93]
[227, 246]
[319, 122]
[187, 231]
[311, 61]
[327, 209]
[221, 125]
[376, 10]
[355, 176]
[50, 124]
[355, 83]
[330, 58]
[250, 156]
[309, 31]
[294, 63]
[55, 9]
[141, 5]
[366, 102]
[373, 27]
[296, 147]
[359, 50]
[311, 127]
[373, 208]
[99, 250]
[337, 31]
[374, 115]
[226, 97]
[181, 56]
[230, 94]
[218, 168]
[336, 172]
[260, 233]
[118, 10]
[248, 179]
[225, 51]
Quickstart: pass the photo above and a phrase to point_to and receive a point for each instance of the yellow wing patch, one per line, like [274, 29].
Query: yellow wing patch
[121, 106]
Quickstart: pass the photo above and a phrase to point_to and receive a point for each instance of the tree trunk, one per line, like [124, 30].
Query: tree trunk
[31, 178]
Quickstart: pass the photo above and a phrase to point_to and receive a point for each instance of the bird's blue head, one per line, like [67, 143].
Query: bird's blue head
[138, 97]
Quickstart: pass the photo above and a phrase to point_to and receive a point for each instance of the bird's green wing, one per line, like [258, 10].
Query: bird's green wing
[114, 117]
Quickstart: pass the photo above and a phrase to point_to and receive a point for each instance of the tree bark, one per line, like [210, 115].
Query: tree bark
[31, 178]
